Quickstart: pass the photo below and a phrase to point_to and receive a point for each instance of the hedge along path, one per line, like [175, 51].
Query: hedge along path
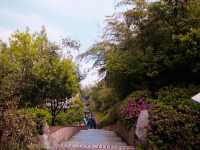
[95, 139]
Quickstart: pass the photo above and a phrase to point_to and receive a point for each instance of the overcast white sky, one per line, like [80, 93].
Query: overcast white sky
[79, 19]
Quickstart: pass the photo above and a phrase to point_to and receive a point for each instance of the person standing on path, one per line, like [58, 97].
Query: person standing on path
[90, 122]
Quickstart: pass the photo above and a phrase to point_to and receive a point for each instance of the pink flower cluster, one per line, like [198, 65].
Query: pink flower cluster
[132, 110]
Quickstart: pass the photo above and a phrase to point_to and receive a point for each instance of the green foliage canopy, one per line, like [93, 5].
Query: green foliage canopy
[151, 45]
[32, 70]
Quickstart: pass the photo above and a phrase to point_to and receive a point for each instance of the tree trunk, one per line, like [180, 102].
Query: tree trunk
[53, 120]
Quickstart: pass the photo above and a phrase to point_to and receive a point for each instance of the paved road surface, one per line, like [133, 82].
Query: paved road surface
[95, 139]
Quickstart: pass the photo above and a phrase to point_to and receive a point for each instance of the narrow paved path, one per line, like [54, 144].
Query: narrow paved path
[95, 139]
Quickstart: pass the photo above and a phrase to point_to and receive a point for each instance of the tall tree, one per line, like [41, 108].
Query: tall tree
[151, 45]
[33, 72]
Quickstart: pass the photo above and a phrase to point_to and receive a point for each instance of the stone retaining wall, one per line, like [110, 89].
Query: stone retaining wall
[128, 135]
[62, 134]
[52, 140]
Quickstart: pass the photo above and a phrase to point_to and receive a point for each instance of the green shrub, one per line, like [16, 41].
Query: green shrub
[40, 116]
[174, 118]
[112, 114]
[104, 98]
[178, 95]
[16, 130]
[71, 116]
[171, 129]
[37, 112]
[137, 94]
[110, 117]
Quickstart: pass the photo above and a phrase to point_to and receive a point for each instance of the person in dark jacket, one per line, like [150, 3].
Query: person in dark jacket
[90, 122]
[93, 123]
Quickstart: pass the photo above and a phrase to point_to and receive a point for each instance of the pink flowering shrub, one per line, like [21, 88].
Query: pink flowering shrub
[130, 112]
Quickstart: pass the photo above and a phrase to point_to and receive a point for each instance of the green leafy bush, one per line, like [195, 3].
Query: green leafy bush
[16, 130]
[113, 113]
[171, 129]
[137, 94]
[175, 122]
[174, 118]
[179, 97]
[71, 116]
[111, 117]
[40, 117]
[104, 98]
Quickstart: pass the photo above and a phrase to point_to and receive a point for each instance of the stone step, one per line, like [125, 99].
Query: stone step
[78, 139]
[95, 139]
[111, 143]
[69, 146]
[95, 134]
[91, 134]
[97, 131]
